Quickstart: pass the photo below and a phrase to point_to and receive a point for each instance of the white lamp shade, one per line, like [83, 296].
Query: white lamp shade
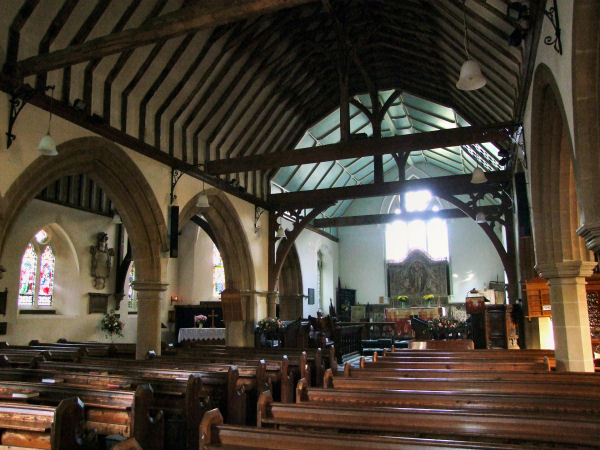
[478, 176]
[202, 201]
[280, 232]
[480, 217]
[47, 146]
[471, 77]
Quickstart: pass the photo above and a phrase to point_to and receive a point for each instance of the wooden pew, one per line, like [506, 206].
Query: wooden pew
[46, 427]
[180, 399]
[457, 364]
[216, 435]
[127, 413]
[552, 402]
[494, 383]
[531, 428]
[226, 385]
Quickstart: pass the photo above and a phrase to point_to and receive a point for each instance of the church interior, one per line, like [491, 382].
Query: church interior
[299, 223]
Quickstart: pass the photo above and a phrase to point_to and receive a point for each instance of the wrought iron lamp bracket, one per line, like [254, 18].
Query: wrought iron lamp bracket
[258, 211]
[552, 15]
[17, 102]
[176, 175]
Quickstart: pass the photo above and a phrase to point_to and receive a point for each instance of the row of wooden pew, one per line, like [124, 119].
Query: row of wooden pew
[428, 399]
[159, 401]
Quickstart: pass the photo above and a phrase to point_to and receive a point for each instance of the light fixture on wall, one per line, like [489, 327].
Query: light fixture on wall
[471, 77]
[47, 145]
[478, 176]
[174, 299]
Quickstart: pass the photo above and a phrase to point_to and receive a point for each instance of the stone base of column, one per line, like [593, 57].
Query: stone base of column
[573, 345]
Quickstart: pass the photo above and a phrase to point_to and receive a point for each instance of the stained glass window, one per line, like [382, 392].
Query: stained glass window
[27, 281]
[41, 237]
[218, 272]
[132, 302]
[46, 277]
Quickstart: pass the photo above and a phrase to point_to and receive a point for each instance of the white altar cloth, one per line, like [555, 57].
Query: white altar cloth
[200, 334]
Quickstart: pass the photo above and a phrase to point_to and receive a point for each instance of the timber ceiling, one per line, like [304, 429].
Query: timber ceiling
[193, 82]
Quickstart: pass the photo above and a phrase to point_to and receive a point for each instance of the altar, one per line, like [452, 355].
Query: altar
[201, 334]
[401, 317]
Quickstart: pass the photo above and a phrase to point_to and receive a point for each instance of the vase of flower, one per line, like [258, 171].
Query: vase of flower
[199, 320]
[111, 325]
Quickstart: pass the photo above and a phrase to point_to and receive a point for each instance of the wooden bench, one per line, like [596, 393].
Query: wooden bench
[457, 364]
[46, 427]
[531, 428]
[558, 401]
[493, 383]
[127, 413]
[181, 400]
[217, 435]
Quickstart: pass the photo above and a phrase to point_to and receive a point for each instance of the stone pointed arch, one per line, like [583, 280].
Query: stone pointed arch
[234, 248]
[118, 176]
[229, 234]
[553, 191]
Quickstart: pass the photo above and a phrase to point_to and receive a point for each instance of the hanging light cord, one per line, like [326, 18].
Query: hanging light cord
[51, 105]
[465, 23]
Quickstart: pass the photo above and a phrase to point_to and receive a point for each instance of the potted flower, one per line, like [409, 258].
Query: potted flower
[428, 298]
[445, 328]
[199, 320]
[267, 331]
[402, 299]
[111, 324]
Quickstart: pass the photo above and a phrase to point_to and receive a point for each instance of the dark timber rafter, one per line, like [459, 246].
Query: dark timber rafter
[450, 185]
[195, 17]
[367, 147]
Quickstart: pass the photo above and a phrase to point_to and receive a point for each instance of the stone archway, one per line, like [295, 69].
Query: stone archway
[586, 116]
[560, 254]
[235, 252]
[123, 182]
[290, 287]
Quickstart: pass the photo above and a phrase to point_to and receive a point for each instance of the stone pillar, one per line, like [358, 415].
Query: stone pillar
[272, 304]
[149, 295]
[573, 345]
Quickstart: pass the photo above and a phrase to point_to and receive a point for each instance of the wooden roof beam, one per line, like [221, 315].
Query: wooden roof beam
[448, 185]
[189, 19]
[375, 219]
[367, 147]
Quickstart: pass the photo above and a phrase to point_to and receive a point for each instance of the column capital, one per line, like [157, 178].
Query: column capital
[590, 232]
[149, 286]
[566, 269]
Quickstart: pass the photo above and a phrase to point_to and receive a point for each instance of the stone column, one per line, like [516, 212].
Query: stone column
[149, 295]
[272, 304]
[573, 345]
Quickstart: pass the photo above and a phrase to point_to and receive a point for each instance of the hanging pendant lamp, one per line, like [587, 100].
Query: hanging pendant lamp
[470, 77]
[47, 145]
[478, 176]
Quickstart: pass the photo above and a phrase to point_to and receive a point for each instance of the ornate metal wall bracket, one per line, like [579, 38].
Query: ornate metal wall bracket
[17, 102]
[258, 211]
[552, 15]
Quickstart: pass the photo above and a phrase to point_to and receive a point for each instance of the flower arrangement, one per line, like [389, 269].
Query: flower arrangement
[111, 324]
[200, 319]
[445, 328]
[402, 298]
[268, 324]
[428, 297]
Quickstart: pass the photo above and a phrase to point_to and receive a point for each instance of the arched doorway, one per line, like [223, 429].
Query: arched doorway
[561, 256]
[233, 246]
[290, 287]
[121, 179]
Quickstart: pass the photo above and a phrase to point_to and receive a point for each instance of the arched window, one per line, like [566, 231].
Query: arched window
[320, 277]
[218, 272]
[430, 235]
[132, 302]
[36, 284]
